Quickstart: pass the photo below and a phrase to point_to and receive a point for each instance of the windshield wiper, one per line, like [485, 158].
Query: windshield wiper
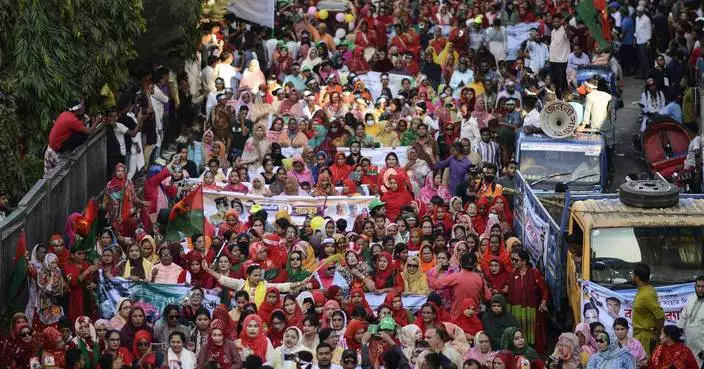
[580, 177]
[543, 179]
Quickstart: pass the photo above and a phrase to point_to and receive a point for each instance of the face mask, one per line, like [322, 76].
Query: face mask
[370, 122]
[489, 178]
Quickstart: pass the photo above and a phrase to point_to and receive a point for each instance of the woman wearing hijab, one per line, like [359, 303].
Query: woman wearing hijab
[324, 185]
[513, 339]
[396, 195]
[415, 281]
[340, 169]
[609, 356]
[122, 312]
[255, 148]
[136, 321]
[27, 346]
[53, 347]
[253, 340]
[386, 274]
[497, 319]
[86, 341]
[219, 349]
[271, 302]
[137, 267]
[567, 351]
[497, 251]
[469, 321]
[253, 77]
[300, 171]
[357, 299]
[197, 276]
[427, 258]
[497, 278]
[50, 287]
[386, 135]
[121, 201]
[352, 339]
[481, 350]
[285, 355]
[401, 316]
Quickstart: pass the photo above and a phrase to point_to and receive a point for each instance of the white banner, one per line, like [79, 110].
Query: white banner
[377, 156]
[217, 203]
[410, 302]
[373, 83]
[515, 35]
[604, 305]
[534, 231]
[254, 11]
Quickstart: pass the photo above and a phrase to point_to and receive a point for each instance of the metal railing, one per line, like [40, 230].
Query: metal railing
[44, 209]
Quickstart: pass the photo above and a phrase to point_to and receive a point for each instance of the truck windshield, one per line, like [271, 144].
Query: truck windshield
[674, 254]
[582, 167]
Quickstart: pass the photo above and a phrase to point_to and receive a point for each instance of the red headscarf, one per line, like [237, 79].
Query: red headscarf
[470, 325]
[400, 315]
[507, 215]
[220, 313]
[340, 172]
[275, 336]
[358, 291]
[497, 281]
[382, 277]
[353, 326]
[265, 309]
[150, 360]
[257, 344]
[479, 220]
[296, 319]
[50, 343]
[202, 278]
[421, 324]
[395, 200]
[507, 358]
[350, 185]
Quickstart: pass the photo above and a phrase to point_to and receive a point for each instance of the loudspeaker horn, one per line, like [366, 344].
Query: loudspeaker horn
[559, 119]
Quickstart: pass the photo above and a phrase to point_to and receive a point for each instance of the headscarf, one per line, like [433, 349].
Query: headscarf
[352, 327]
[429, 190]
[476, 353]
[413, 281]
[571, 359]
[358, 291]
[265, 308]
[506, 357]
[507, 344]
[385, 278]
[150, 360]
[259, 343]
[470, 325]
[275, 336]
[301, 273]
[495, 325]
[89, 348]
[480, 113]
[50, 343]
[400, 315]
[588, 339]
[499, 280]
[310, 262]
[330, 305]
[220, 312]
[319, 137]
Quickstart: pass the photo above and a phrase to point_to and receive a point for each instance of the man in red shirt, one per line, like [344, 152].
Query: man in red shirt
[68, 131]
[464, 284]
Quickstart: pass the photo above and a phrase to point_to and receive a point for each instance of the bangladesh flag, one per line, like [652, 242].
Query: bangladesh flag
[18, 278]
[594, 15]
[87, 229]
[186, 217]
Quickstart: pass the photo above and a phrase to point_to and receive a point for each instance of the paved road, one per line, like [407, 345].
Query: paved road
[627, 159]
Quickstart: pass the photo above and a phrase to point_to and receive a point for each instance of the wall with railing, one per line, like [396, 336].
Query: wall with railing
[43, 210]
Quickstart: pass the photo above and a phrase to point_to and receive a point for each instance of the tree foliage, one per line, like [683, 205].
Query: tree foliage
[51, 52]
[171, 32]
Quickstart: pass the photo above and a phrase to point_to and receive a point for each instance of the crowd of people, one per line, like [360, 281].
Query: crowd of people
[272, 111]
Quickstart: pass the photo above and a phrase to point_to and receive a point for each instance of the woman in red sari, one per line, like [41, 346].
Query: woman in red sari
[429, 317]
[398, 312]
[528, 299]
[340, 169]
[364, 37]
[358, 299]
[672, 353]
[387, 277]
[80, 276]
[271, 302]
[396, 195]
[271, 266]
[197, 276]
[293, 312]
[469, 320]
[352, 339]
[497, 277]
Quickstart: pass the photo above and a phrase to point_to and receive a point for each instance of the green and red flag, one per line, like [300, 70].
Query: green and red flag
[186, 216]
[595, 16]
[18, 277]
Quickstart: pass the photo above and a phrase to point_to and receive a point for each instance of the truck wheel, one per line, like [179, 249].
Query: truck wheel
[649, 194]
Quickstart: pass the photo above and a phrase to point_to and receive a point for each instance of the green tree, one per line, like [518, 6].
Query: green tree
[56, 51]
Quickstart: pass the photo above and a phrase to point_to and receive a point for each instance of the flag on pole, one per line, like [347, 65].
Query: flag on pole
[19, 274]
[186, 217]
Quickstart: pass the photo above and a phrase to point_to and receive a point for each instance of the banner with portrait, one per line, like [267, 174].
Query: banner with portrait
[605, 305]
[377, 156]
[535, 232]
[217, 203]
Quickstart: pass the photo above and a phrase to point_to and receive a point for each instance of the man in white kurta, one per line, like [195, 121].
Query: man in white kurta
[692, 320]
[597, 113]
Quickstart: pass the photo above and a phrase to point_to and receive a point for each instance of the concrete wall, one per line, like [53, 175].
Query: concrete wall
[43, 210]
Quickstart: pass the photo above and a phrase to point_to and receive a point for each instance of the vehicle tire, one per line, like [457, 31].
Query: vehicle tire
[649, 194]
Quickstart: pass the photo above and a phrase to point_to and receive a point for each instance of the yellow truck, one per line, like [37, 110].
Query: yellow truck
[587, 244]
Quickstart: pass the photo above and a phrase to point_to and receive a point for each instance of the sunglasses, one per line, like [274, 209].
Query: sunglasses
[515, 259]
[412, 265]
[25, 334]
[143, 344]
[173, 316]
[350, 360]
[601, 340]
[295, 259]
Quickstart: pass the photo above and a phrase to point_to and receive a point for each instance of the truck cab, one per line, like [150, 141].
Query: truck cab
[579, 162]
[591, 268]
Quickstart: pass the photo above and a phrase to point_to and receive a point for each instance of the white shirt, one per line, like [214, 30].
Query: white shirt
[539, 54]
[692, 321]
[643, 30]
[457, 77]
[226, 72]
[470, 130]
[617, 19]
[207, 76]
[559, 45]
[689, 162]
[574, 61]
[120, 130]
[505, 94]
[532, 119]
